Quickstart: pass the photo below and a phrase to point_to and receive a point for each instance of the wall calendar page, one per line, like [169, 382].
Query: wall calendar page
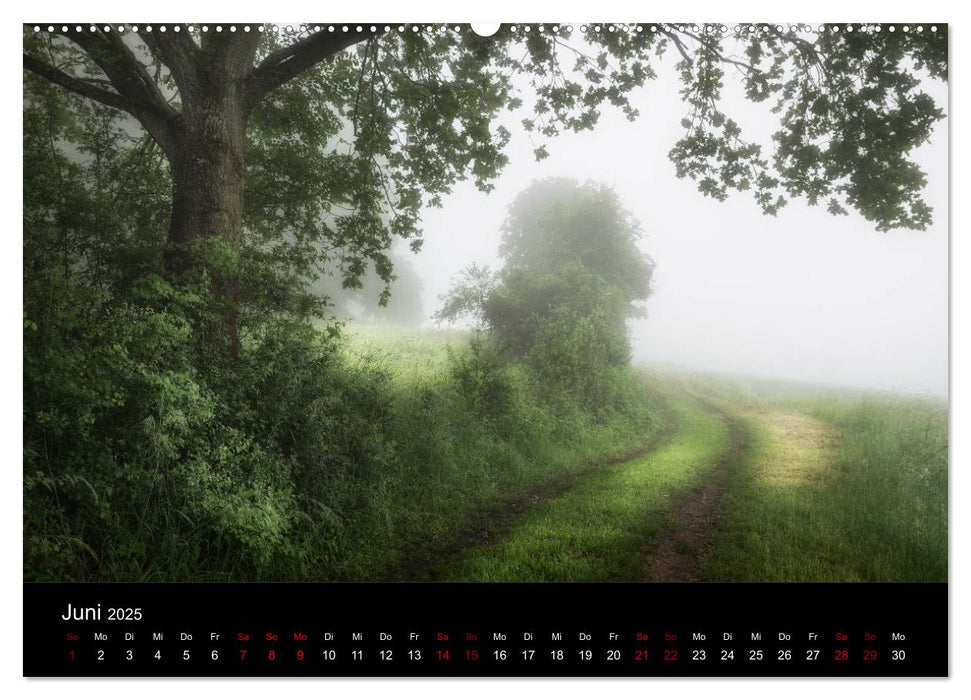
[445, 349]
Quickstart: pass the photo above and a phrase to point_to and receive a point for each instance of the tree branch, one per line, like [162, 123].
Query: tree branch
[178, 52]
[290, 61]
[710, 45]
[136, 90]
[127, 74]
[680, 46]
[77, 85]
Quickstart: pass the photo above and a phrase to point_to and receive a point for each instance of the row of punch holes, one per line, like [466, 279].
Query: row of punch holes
[740, 29]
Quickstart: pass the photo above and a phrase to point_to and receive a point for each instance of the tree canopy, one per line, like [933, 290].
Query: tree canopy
[560, 220]
[350, 131]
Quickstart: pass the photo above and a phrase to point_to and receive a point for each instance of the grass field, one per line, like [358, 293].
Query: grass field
[828, 486]
[420, 456]
[837, 490]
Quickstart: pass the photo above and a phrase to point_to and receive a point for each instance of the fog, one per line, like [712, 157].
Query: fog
[803, 296]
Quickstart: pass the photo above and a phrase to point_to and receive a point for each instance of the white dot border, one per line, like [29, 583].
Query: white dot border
[518, 29]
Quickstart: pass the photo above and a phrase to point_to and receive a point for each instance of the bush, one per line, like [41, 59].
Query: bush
[567, 325]
[143, 462]
[111, 401]
[572, 277]
[483, 378]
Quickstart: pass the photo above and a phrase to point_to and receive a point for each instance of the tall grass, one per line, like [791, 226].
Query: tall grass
[860, 493]
[453, 454]
[894, 455]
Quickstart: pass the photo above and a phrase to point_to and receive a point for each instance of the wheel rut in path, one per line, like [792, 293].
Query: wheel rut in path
[685, 539]
[495, 520]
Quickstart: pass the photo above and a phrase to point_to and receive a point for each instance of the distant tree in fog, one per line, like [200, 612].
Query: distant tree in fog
[573, 275]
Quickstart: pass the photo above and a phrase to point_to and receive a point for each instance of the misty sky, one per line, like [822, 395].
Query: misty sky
[805, 295]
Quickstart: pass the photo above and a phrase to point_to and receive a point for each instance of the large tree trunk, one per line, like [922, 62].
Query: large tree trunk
[218, 86]
[207, 208]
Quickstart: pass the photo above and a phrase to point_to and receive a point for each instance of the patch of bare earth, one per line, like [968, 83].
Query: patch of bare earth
[685, 539]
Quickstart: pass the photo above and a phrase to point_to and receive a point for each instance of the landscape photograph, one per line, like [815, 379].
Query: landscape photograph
[451, 303]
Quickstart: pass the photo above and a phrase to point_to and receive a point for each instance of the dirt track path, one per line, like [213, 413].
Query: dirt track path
[684, 541]
[495, 520]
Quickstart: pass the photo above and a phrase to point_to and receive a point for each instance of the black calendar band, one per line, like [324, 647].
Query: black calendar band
[408, 629]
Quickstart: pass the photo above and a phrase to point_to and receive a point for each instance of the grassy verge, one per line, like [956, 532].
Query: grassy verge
[598, 529]
[850, 489]
[453, 454]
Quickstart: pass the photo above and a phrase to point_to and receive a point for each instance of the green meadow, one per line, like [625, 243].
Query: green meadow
[435, 459]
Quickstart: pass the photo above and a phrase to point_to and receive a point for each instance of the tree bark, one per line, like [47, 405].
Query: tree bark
[205, 230]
